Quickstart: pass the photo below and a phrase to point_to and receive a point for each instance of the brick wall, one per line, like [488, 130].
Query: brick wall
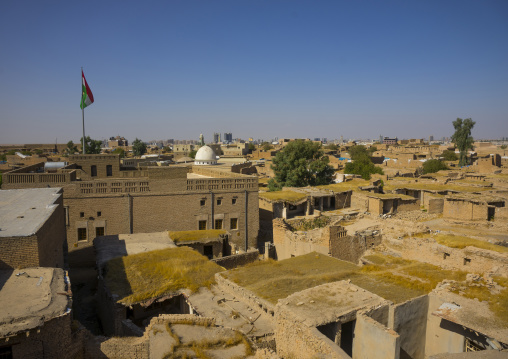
[464, 210]
[19, 252]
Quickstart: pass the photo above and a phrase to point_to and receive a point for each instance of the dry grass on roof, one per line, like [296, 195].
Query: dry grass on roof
[392, 278]
[286, 196]
[390, 195]
[148, 275]
[436, 187]
[197, 235]
[346, 186]
[461, 242]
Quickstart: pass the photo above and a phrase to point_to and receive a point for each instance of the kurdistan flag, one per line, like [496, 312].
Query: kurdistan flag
[86, 93]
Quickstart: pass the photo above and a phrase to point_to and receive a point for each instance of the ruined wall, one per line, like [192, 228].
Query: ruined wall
[254, 301]
[470, 259]
[291, 244]
[343, 199]
[373, 340]
[351, 248]
[409, 320]
[359, 201]
[237, 260]
[295, 339]
[199, 246]
[439, 338]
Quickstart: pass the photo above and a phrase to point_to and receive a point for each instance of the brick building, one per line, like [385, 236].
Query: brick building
[101, 198]
[32, 228]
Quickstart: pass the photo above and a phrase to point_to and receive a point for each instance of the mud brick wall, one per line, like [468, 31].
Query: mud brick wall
[49, 341]
[237, 260]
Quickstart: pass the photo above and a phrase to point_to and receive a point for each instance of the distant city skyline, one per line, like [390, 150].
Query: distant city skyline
[260, 69]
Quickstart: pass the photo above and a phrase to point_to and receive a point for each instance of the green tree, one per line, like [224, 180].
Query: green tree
[119, 151]
[192, 154]
[361, 163]
[3, 157]
[332, 147]
[462, 138]
[138, 147]
[92, 147]
[166, 149]
[449, 155]
[71, 148]
[432, 166]
[266, 146]
[252, 147]
[503, 147]
[301, 163]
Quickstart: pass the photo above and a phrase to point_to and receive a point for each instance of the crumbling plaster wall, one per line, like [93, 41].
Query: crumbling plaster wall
[428, 251]
[373, 340]
[409, 320]
[439, 338]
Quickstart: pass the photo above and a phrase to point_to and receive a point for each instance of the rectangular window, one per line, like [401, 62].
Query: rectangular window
[81, 214]
[233, 201]
[81, 234]
[202, 202]
[66, 209]
[234, 223]
[99, 231]
[109, 170]
[202, 225]
[219, 202]
[218, 224]
[94, 171]
[99, 213]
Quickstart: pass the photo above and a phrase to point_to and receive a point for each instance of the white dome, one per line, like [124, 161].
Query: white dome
[205, 156]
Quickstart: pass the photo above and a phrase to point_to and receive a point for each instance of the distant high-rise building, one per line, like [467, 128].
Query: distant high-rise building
[228, 137]
[431, 138]
[216, 137]
[381, 139]
[341, 139]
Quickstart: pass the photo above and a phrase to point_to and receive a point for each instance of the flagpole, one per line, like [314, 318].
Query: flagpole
[82, 111]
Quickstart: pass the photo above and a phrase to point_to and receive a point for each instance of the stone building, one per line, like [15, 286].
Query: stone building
[32, 228]
[101, 198]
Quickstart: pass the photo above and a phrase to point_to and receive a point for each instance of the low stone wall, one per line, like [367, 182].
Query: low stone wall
[250, 298]
[237, 260]
[470, 259]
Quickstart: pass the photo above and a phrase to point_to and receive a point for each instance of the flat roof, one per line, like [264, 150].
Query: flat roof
[109, 247]
[30, 297]
[328, 302]
[24, 211]
[472, 314]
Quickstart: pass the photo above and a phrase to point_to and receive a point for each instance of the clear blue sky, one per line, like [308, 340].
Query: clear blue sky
[175, 69]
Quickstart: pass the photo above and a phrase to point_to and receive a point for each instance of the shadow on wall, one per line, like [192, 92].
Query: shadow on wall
[5, 273]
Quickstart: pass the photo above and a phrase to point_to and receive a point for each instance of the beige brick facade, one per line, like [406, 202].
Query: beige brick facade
[151, 199]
